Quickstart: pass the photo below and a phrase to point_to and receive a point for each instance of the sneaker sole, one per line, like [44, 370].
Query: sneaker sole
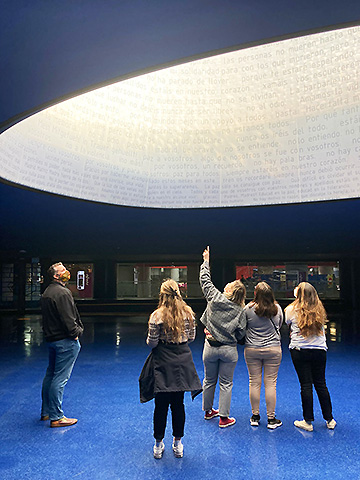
[213, 416]
[227, 425]
[254, 424]
[331, 427]
[159, 455]
[178, 455]
[272, 427]
[305, 429]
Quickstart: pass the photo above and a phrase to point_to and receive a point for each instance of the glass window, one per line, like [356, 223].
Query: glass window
[143, 280]
[7, 282]
[81, 283]
[324, 276]
[33, 281]
[160, 273]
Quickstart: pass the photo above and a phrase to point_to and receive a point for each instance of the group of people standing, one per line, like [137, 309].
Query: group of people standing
[169, 370]
[259, 323]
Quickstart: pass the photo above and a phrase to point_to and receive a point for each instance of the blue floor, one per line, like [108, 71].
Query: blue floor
[113, 438]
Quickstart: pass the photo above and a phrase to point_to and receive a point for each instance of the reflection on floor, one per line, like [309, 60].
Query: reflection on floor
[113, 439]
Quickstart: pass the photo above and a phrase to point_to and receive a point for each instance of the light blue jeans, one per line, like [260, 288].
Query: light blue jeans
[219, 363]
[62, 356]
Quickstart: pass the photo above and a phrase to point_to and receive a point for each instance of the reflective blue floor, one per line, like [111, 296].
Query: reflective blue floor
[113, 439]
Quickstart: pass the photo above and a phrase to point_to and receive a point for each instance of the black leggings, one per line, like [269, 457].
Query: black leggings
[162, 402]
[310, 366]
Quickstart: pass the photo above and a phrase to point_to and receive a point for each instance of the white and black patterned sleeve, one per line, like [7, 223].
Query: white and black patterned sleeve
[153, 332]
[191, 332]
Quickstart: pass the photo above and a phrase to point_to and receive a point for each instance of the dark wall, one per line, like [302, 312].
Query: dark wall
[51, 49]
[48, 225]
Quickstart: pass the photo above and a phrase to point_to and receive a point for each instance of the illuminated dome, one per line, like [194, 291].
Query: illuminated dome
[272, 124]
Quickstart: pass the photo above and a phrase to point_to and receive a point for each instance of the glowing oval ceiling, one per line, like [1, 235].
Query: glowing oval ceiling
[272, 124]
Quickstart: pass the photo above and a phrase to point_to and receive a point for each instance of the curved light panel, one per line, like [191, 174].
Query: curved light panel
[272, 124]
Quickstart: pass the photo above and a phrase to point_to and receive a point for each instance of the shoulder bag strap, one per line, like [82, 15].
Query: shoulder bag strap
[276, 328]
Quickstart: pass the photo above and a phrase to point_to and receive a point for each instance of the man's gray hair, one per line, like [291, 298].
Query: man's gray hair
[52, 270]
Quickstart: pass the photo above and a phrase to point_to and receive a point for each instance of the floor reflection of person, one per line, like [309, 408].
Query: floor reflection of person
[306, 317]
[262, 351]
[169, 370]
[224, 323]
[62, 327]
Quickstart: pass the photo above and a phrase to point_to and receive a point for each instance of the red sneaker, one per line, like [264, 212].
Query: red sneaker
[209, 414]
[226, 422]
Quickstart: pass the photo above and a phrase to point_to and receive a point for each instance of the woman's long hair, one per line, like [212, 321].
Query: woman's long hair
[264, 300]
[309, 310]
[173, 310]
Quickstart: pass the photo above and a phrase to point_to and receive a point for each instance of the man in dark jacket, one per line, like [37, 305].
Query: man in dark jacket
[62, 327]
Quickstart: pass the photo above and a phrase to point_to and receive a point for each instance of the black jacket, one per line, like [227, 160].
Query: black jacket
[169, 368]
[61, 318]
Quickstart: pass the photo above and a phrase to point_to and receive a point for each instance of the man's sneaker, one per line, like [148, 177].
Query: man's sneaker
[178, 449]
[255, 420]
[226, 422]
[209, 414]
[158, 451]
[331, 424]
[274, 423]
[304, 425]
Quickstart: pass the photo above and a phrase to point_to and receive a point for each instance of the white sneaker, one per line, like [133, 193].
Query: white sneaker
[304, 425]
[178, 449]
[158, 451]
[331, 424]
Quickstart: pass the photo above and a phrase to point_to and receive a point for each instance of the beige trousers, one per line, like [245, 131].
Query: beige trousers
[259, 360]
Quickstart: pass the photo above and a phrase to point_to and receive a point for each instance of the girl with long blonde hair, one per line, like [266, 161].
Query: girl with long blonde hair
[169, 370]
[173, 312]
[306, 317]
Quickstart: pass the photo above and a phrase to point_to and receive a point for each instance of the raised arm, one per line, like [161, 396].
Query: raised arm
[208, 288]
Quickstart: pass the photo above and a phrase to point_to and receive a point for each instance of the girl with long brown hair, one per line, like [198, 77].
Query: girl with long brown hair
[262, 351]
[169, 370]
[306, 317]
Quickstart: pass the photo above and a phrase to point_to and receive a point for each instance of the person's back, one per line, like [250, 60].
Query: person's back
[169, 371]
[306, 318]
[223, 315]
[262, 351]
[158, 331]
[262, 331]
[224, 323]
